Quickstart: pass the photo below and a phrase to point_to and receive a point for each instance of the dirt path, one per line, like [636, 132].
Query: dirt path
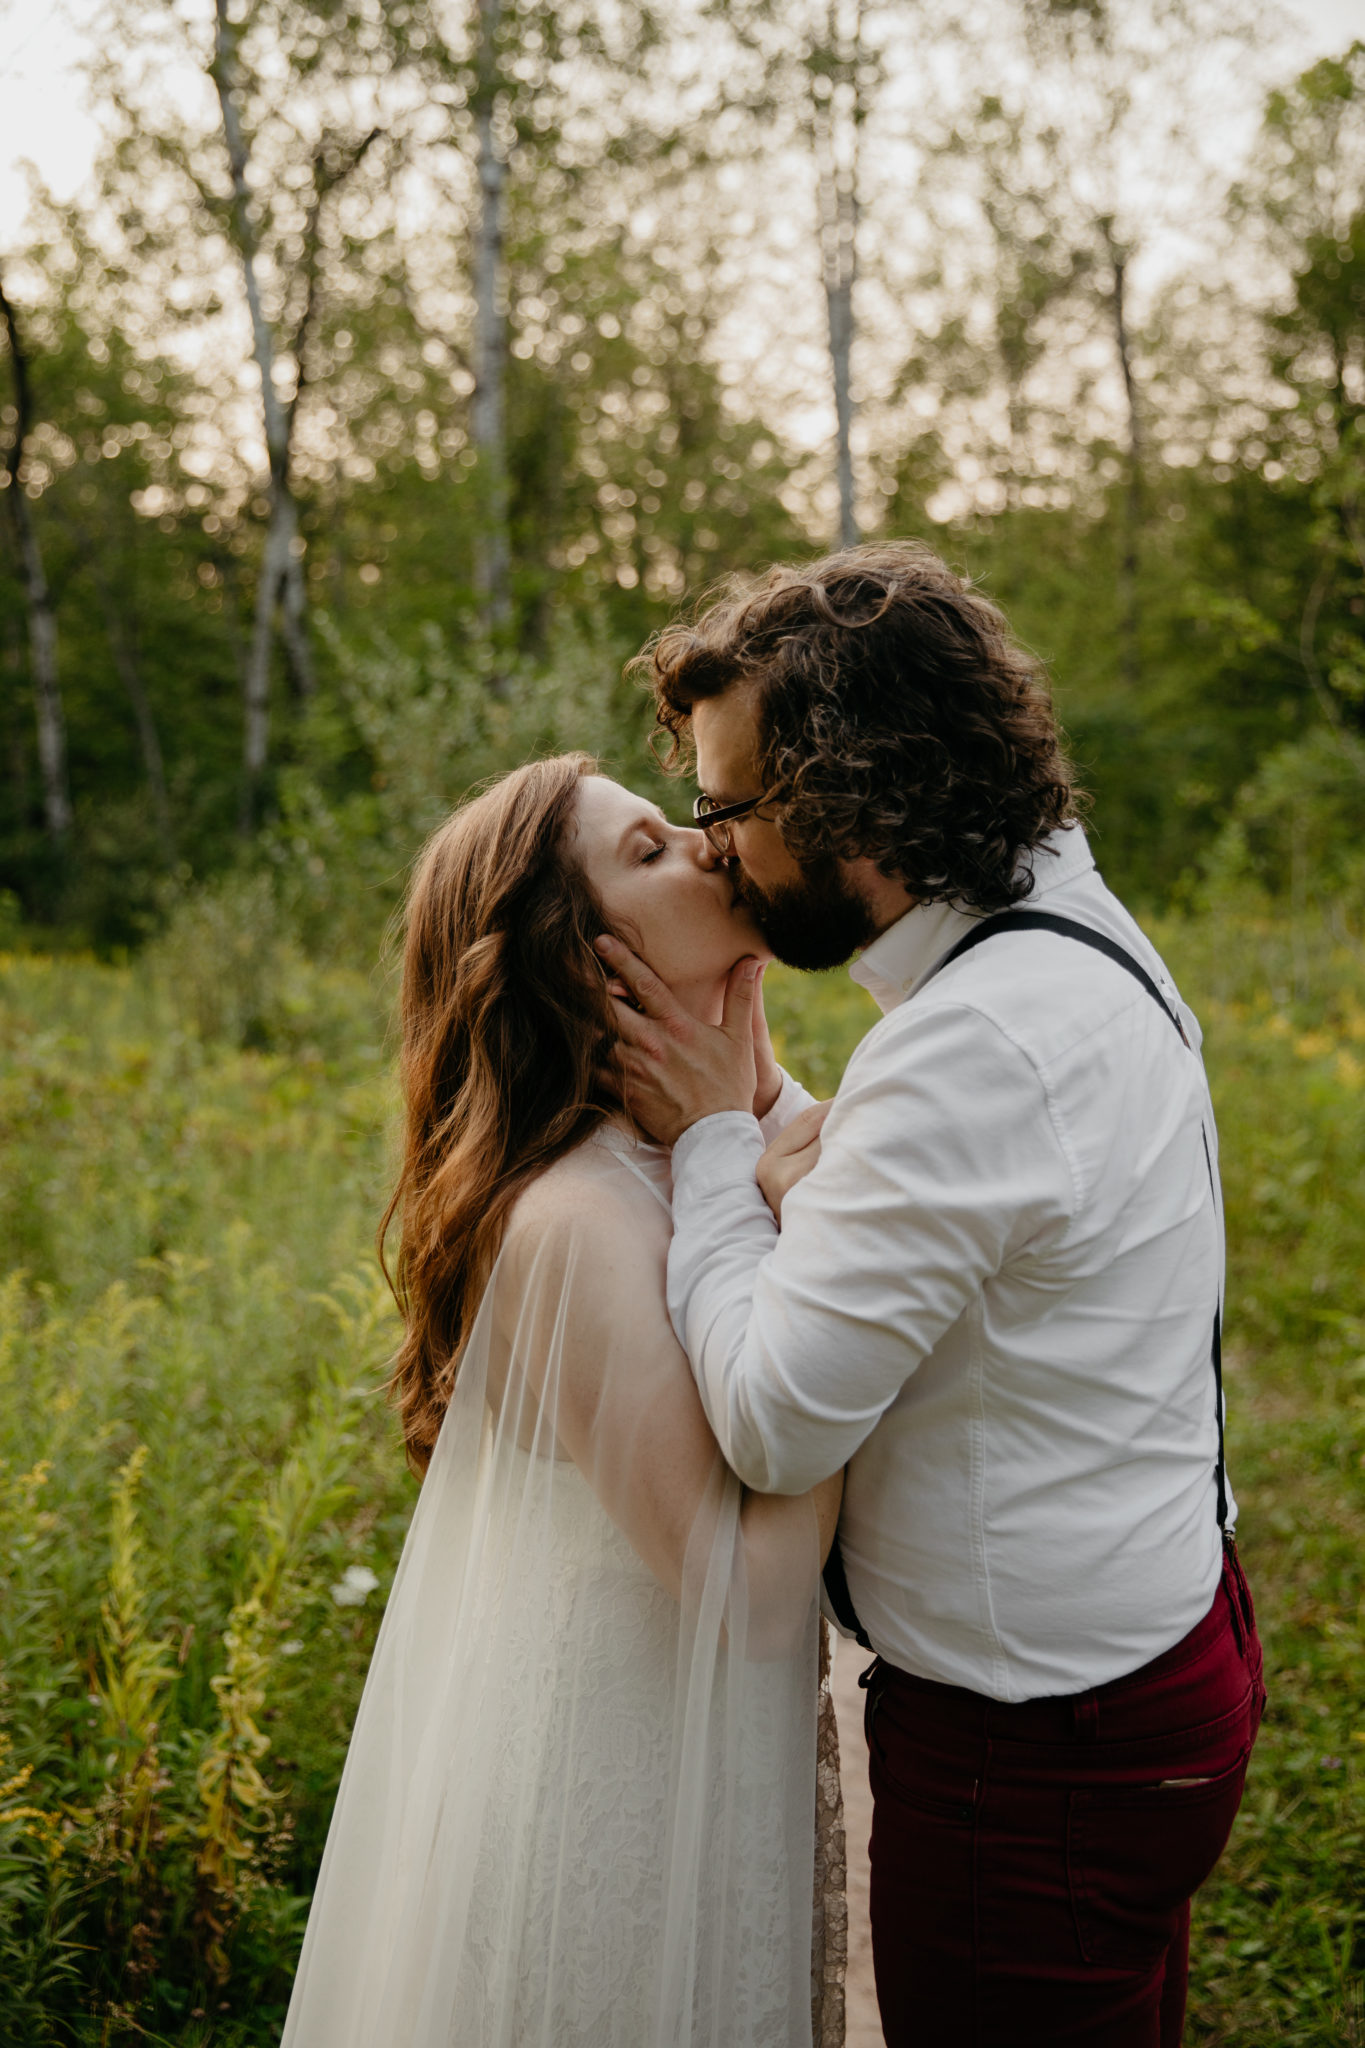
[864, 2027]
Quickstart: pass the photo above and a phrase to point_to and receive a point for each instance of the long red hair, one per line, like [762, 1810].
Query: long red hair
[506, 1025]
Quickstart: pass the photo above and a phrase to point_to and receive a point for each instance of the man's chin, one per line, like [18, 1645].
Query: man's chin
[810, 955]
[812, 924]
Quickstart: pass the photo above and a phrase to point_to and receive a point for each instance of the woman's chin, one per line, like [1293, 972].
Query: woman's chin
[750, 942]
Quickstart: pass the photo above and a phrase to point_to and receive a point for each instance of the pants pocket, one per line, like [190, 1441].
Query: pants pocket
[1136, 1853]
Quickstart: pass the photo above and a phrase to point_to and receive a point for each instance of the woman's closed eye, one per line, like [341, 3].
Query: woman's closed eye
[653, 854]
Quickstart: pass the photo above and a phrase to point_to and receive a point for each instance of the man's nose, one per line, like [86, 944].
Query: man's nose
[706, 854]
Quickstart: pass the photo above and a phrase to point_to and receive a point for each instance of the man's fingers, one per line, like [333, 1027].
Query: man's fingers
[740, 991]
[631, 1027]
[653, 995]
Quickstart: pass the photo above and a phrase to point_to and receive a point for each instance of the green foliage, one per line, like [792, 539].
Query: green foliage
[400, 736]
[226, 962]
[192, 1456]
[1293, 837]
[198, 1483]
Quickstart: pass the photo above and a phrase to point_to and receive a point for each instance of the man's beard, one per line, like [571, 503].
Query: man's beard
[818, 921]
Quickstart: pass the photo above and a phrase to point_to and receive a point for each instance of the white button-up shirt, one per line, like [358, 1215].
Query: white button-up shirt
[992, 1299]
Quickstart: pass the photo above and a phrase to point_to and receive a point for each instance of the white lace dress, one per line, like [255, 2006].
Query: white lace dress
[578, 1806]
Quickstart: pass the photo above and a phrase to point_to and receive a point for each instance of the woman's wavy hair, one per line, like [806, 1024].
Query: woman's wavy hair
[506, 1022]
[898, 717]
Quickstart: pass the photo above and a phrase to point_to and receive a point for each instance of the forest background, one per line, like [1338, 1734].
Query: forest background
[398, 370]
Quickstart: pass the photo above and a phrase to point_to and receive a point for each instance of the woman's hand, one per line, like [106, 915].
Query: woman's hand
[791, 1155]
[675, 1070]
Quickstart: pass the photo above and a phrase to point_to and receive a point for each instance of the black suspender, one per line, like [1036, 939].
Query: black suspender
[1066, 928]
[836, 1582]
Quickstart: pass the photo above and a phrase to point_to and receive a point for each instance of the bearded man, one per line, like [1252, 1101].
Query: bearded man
[995, 1295]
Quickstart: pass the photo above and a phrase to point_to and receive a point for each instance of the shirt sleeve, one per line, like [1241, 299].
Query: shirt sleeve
[940, 1160]
[791, 1100]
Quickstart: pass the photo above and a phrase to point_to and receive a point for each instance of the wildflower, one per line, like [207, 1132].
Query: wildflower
[354, 1586]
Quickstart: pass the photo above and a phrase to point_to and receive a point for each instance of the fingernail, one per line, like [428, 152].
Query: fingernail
[603, 945]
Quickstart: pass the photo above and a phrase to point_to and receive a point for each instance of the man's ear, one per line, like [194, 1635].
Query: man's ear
[886, 896]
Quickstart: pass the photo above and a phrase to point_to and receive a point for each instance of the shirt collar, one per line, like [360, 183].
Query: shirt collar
[892, 967]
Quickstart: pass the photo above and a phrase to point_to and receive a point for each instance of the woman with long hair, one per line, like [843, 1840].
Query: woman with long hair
[577, 1810]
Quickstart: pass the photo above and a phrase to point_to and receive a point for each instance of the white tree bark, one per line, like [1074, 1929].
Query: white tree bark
[488, 409]
[1129, 601]
[42, 617]
[837, 123]
[280, 585]
[839, 240]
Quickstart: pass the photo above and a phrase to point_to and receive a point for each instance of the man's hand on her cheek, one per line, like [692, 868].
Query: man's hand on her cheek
[674, 1069]
[791, 1156]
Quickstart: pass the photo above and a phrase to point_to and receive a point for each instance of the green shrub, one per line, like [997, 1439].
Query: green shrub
[1293, 841]
[399, 737]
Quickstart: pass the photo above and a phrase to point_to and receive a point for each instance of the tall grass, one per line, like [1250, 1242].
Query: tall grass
[202, 1498]
[193, 1455]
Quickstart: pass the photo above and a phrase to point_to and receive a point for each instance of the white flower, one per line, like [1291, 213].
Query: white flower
[293, 1649]
[354, 1586]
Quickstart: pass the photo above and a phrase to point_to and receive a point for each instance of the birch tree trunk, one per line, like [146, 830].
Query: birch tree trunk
[1129, 603]
[841, 266]
[837, 130]
[42, 617]
[281, 582]
[488, 410]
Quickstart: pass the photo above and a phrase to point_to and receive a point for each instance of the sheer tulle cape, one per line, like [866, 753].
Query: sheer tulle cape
[578, 1803]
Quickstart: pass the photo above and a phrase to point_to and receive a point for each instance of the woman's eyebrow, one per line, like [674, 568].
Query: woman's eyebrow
[636, 825]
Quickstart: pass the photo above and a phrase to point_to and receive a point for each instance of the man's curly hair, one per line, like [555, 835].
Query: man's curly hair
[898, 718]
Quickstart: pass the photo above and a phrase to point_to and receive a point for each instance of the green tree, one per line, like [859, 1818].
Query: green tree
[1308, 187]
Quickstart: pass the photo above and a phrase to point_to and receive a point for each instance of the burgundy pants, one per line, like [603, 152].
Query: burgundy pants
[1032, 1866]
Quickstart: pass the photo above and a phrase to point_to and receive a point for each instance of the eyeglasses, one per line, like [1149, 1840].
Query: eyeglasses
[716, 819]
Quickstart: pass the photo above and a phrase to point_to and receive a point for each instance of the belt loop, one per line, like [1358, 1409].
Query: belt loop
[1239, 1580]
[1085, 1714]
[1232, 1593]
[868, 1682]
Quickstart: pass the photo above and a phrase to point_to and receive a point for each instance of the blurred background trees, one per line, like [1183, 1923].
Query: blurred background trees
[390, 344]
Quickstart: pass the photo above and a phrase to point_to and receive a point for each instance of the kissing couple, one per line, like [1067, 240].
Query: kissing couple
[688, 1359]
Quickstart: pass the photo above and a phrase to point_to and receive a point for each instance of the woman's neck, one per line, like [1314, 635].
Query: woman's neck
[704, 1000]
